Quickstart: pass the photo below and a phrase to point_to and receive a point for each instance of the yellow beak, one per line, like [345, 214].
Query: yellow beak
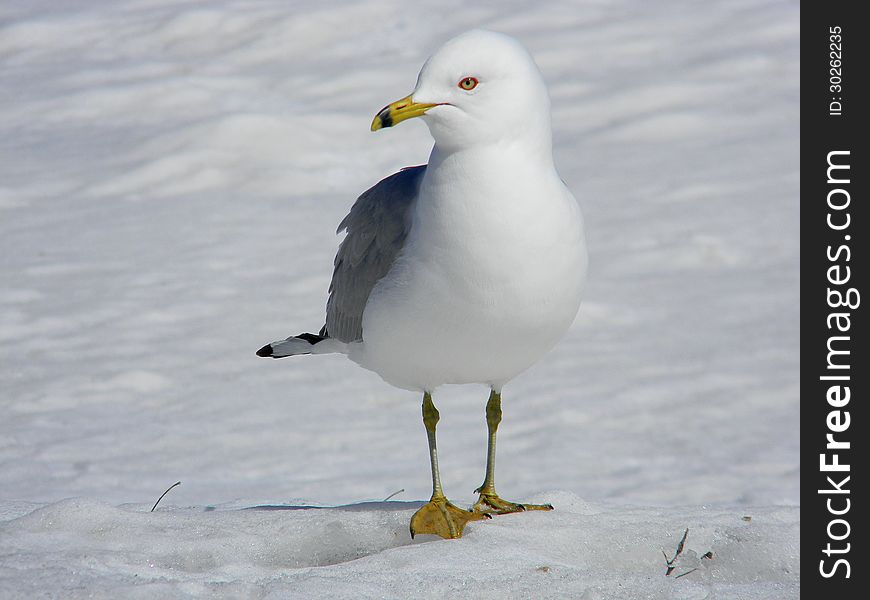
[399, 111]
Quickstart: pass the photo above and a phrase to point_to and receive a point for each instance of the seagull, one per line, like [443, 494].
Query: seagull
[467, 269]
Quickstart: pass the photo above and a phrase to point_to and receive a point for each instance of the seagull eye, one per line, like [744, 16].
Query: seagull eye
[468, 84]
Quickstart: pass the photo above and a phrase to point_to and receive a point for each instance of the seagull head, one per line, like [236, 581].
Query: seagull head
[478, 89]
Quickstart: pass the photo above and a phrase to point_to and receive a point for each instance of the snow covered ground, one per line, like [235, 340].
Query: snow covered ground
[171, 173]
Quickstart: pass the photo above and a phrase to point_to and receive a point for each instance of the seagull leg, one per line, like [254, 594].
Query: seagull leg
[489, 500]
[439, 516]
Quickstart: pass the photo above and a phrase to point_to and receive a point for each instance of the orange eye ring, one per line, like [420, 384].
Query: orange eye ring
[468, 83]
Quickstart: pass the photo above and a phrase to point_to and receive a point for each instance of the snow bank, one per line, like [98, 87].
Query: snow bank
[580, 550]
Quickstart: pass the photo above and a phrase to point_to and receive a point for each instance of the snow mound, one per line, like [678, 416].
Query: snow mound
[81, 547]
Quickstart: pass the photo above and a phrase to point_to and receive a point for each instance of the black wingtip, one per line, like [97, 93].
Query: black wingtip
[265, 351]
[310, 338]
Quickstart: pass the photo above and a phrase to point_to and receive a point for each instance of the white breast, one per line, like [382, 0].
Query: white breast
[489, 279]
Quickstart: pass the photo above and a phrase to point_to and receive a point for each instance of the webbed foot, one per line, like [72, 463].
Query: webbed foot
[490, 502]
[441, 517]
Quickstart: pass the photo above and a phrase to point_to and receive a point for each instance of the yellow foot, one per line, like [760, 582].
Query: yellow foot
[440, 517]
[491, 503]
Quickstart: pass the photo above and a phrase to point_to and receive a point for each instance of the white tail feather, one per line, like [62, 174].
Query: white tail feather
[293, 346]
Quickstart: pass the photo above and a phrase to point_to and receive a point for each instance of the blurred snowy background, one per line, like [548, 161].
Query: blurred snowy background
[171, 175]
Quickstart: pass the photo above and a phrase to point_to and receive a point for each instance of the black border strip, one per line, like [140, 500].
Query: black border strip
[835, 225]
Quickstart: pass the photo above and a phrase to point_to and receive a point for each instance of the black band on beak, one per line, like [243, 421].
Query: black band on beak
[385, 117]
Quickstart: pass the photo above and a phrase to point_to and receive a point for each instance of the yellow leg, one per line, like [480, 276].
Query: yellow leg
[439, 516]
[489, 500]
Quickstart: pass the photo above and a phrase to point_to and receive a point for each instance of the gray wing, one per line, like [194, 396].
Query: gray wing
[377, 226]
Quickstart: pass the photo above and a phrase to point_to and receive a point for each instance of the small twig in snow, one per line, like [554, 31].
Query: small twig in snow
[163, 494]
[680, 547]
[679, 551]
[393, 494]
